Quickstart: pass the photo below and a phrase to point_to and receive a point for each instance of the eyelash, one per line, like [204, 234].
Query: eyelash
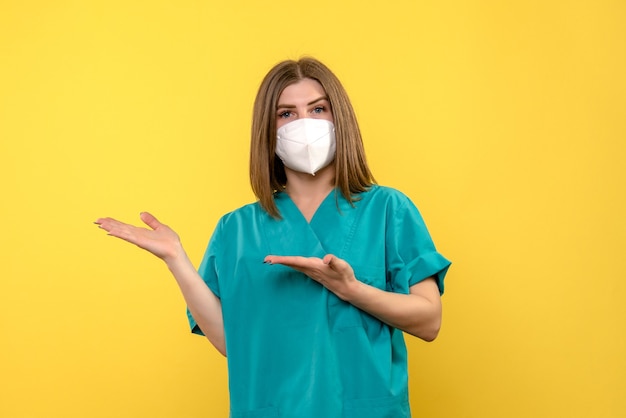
[316, 109]
[284, 114]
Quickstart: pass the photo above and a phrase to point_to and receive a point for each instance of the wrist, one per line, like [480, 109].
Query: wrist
[177, 258]
[349, 293]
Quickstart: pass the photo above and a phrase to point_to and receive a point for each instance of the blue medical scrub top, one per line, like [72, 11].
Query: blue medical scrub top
[294, 348]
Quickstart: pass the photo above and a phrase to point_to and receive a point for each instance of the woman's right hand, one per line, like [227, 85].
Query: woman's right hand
[163, 242]
[160, 239]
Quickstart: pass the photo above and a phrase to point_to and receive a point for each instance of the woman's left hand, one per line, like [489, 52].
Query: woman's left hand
[332, 272]
[418, 313]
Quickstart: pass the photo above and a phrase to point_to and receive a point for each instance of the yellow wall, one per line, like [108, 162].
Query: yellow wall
[504, 121]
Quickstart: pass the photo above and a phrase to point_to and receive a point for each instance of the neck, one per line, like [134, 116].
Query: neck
[306, 186]
[308, 191]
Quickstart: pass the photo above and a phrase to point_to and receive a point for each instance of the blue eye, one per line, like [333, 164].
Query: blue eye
[318, 109]
[284, 114]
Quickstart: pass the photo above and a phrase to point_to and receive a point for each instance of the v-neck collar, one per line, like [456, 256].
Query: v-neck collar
[330, 230]
[292, 207]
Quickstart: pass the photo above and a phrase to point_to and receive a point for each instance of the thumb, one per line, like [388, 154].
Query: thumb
[334, 262]
[149, 220]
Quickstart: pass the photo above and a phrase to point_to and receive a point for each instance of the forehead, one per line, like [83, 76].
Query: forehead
[304, 90]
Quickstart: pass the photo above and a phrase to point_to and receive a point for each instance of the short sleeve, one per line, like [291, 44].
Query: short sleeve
[208, 272]
[411, 253]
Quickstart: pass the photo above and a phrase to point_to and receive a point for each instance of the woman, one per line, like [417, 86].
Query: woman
[308, 290]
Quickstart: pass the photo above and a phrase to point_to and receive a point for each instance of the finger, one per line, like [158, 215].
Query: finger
[277, 259]
[149, 220]
[335, 262]
[100, 221]
[332, 261]
[115, 228]
[107, 223]
[289, 260]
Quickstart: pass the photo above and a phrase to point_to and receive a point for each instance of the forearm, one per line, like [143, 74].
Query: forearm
[204, 306]
[414, 313]
[164, 243]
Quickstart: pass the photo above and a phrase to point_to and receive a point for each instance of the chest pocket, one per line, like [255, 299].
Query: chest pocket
[372, 275]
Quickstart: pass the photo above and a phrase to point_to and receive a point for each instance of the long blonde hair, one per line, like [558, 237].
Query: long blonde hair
[267, 173]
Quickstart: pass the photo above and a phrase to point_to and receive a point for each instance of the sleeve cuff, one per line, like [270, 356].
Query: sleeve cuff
[428, 265]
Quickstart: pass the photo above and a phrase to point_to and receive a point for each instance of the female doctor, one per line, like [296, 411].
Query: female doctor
[308, 290]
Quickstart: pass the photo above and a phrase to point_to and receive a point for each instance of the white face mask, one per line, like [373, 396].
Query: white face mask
[306, 145]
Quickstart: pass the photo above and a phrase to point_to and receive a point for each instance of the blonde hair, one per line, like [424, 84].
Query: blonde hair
[267, 173]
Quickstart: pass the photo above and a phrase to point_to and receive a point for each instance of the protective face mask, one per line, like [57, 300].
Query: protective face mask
[306, 145]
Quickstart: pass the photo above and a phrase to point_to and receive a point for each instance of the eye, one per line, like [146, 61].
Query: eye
[285, 114]
[319, 109]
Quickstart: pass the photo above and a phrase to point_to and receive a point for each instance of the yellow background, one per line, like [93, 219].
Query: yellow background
[503, 121]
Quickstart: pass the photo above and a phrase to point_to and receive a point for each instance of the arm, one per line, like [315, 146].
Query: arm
[204, 306]
[418, 313]
[164, 243]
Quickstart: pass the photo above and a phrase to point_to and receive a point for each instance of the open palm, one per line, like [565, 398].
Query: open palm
[160, 239]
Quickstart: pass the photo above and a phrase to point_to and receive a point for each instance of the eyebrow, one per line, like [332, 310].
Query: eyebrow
[281, 106]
